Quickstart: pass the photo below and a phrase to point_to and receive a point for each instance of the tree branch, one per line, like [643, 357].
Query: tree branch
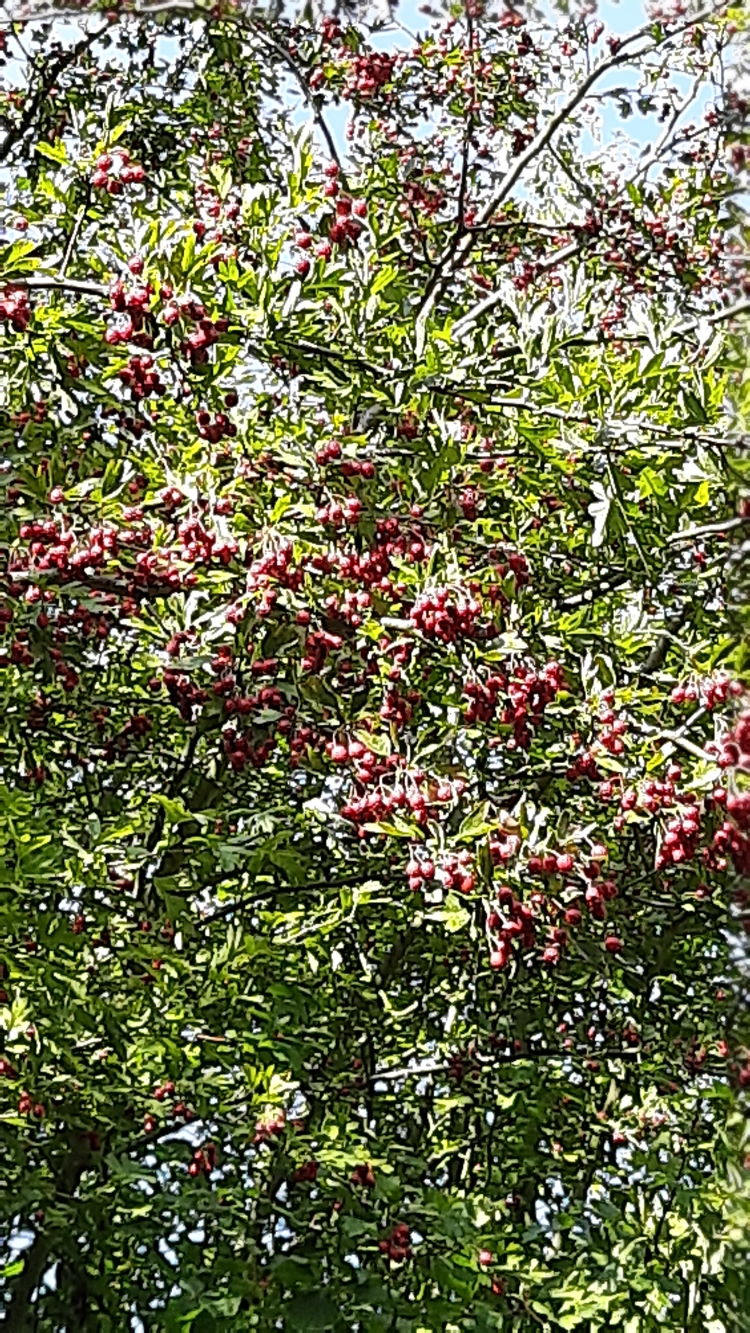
[82, 583]
[60, 284]
[437, 286]
[309, 97]
[692, 533]
[52, 72]
[137, 11]
[442, 1066]
[472, 316]
[19, 1315]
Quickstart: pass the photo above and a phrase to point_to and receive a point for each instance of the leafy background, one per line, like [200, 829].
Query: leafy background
[261, 1068]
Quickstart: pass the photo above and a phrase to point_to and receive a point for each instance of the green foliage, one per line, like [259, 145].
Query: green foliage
[374, 757]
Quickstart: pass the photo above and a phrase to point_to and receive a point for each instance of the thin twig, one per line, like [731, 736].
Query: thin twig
[662, 142]
[437, 286]
[691, 534]
[75, 233]
[61, 284]
[472, 317]
[309, 96]
[682, 742]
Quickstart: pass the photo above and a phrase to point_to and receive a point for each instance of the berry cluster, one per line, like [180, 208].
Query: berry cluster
[318, 645]
[215, 216]
[204, 1160]
[242, 752]
[308, 1171]
[335, 515]
[164, 1090]
[344, 752]
[612, 730]
[199, 546]
[347, 226]
[15, 308]
[735, 748]
[372, 568]
[216, 429]
[584, 766]
[711, 692]
[552, 863]
[330, 451]
[398, 709]
[27, 1106]
[514, 921]
[528, 692]
[276, 566]
[453, 870]
[446, 615]
[368, 74]
[141, 378]
[596, 897]
[378, 806]
[114, 170]
[483, 696]
[349, 607]
[363, 1175]
[358, 467]
[653, 794]
[397, 1244]
[730, 838]
[503, 847]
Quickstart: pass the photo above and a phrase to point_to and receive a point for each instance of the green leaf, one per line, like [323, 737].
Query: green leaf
[55, 152]
[175, 811]
[311, 1310]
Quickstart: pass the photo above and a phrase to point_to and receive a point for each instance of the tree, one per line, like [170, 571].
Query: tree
[374, 727]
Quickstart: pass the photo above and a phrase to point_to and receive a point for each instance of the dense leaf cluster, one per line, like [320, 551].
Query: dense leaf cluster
[374, 713]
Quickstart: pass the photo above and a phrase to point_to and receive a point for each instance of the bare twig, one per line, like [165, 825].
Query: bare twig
[309, 96]
[682, 743]
[60, 284]
[691, 534]
[654, 153]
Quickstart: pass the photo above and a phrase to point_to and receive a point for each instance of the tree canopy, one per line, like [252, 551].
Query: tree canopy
[375, 728]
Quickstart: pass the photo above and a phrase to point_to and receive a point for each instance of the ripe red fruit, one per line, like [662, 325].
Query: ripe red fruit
[613, 944]
[499, 957]
[363, 1175]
